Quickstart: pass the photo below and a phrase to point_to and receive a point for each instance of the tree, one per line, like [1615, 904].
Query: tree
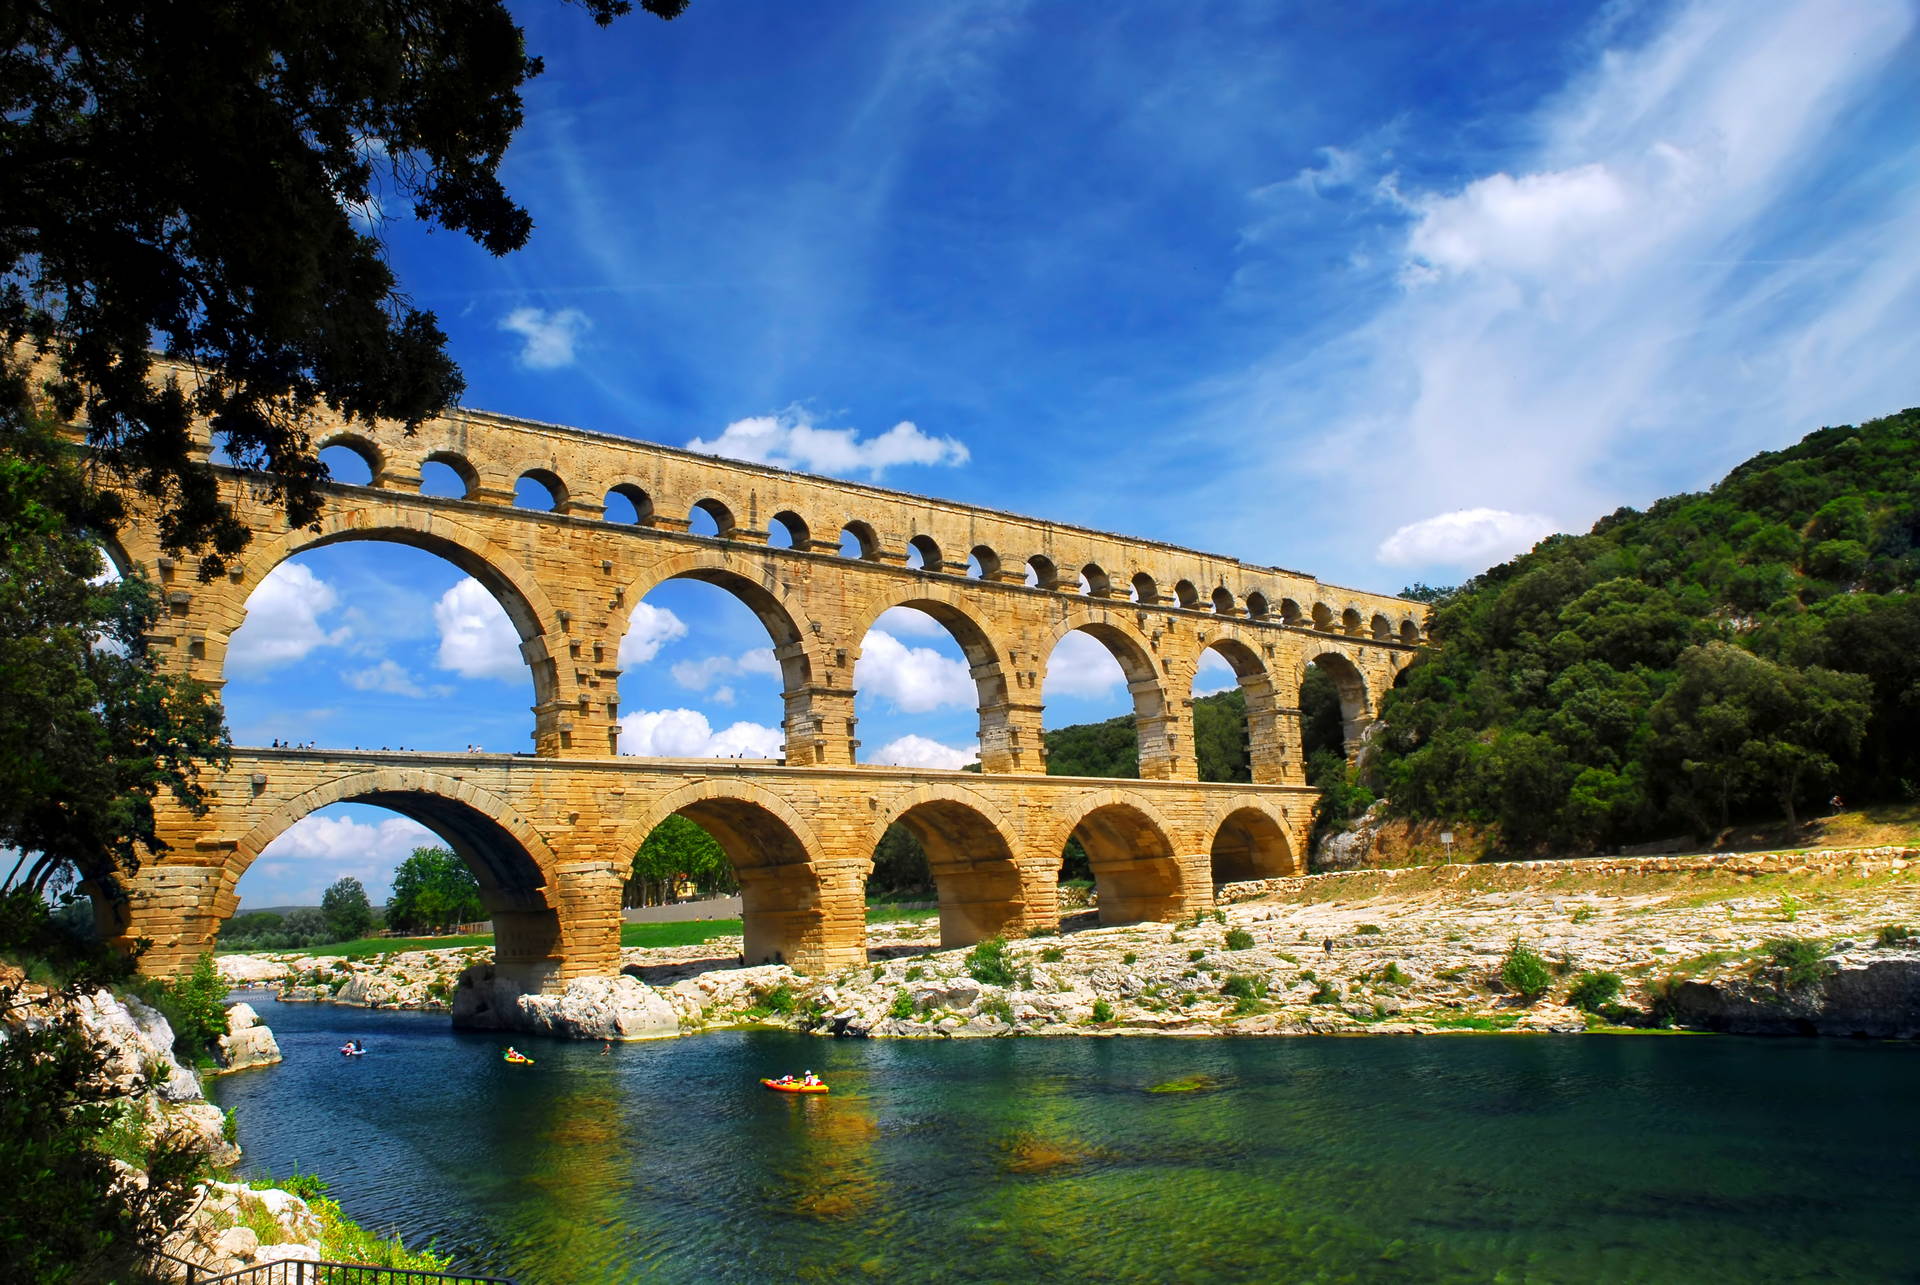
[433, 889]
[349, 913]
[215, 178]
[900, 869]
[677, 848]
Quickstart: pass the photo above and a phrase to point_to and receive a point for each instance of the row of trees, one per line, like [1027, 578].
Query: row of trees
[1727, 657]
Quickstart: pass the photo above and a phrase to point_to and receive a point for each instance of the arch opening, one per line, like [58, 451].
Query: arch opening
[982, 563]
[1250, 845]
[1135, 875]
[1186, 595]
[1105, 709]
[923, 554]
[1409, 633]
[1145, 591]
[541, 491]
[1334, 710]
[628, 505]
[350, 462]
[1232, 696]
[1042, 573]
[970, 866]
[1094, 582]
[779, 890]
[926, 678]
[787, 530]
[1223, 604]
[447, 476]
[677, 860]
[711, 518]
[859, 541]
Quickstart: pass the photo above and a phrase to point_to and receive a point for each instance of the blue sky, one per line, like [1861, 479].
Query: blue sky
[1381, 292]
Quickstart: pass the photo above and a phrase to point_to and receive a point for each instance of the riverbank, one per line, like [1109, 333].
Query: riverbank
[1416, 951]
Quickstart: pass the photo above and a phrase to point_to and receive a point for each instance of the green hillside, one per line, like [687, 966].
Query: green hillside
[1736, 655]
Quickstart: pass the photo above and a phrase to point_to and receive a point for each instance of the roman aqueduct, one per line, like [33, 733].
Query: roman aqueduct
[550, 833]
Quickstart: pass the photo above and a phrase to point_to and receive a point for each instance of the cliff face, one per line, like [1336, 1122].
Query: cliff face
[1873, 996]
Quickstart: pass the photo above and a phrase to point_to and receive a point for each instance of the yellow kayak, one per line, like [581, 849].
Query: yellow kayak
[508, 1057]
[794, 1087]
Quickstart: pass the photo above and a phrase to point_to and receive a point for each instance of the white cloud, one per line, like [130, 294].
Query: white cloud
[476, 638]
[909, 622]
[549, 336]
[686, 733]
[283, 622]
[392, 677]
[1081, 666]
[919, 751]
[912, 680]
[1213, 674]
[1691, 263]
[318, 849]
[698, 675]
[649, 629]
[1471, 538]
[791, 440]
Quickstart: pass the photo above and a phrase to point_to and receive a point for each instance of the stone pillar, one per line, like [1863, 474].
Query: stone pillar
[1287, 762]
[1166, 736]
[820, 726]
[813, 919]
[588, 898]
[176, 907]
[1040, 889]
[1011, 739]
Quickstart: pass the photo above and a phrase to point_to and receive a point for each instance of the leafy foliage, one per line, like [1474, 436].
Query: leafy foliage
[194, 1005]
[1594, 992]
[900, 869]
[678, 849]
[987, 963]
[1722, 657]
[348, 912]
[1524, 972]
[1801, 961]
[433, 890]
[1111, 749]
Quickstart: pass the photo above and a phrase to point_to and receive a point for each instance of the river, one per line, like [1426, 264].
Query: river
[1439, 1158]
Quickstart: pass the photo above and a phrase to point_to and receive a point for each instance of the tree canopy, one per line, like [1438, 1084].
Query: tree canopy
[1725, 656]
[433, 890]
[678, 849]
[348, 912]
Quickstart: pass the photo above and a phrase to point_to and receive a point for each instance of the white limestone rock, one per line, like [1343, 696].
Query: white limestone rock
[248, 1041]
[590, 1008]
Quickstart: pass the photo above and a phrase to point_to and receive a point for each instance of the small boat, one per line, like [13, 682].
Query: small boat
[794, 1086]
[518, 1058]
[352, 1050]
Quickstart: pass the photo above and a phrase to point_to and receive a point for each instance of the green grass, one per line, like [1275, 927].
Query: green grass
[365, 946]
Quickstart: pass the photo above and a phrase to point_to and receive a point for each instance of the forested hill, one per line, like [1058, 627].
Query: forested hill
[1729, 656]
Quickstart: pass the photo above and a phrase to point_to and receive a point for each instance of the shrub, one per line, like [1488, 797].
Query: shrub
[1323, 994]
[778, 1000]
[1583, 914]
[1894, 934]
[1799, 959]
[902, 1008]
[1393, 976]
[1790, 907]
[999, 1007]
[1131, 957]
[987, 963]
[915, 972]
[1195, 956]
[1368, 930]
[194, 1006]
[1053, 954]
[1524, 972]
[1102, 1011]
[879, 971]
[1663, 999]
[1243, 986]
[1239, 939]
[1594, 992]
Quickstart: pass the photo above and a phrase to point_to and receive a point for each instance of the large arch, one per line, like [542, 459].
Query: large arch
[1266, 751]
[803, 722]
[971, 857]
[1153, 719]
[1356, 701]
[775, 855]
[1251, 843]
[955, 611]
[1135, 873]
[515, 867]
[517, 592]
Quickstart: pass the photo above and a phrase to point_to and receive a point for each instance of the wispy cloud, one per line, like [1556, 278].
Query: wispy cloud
[1471, 538]
[477, 640]
[549, 338]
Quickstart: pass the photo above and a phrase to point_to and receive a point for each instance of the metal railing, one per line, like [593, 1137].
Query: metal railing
[295, 1271]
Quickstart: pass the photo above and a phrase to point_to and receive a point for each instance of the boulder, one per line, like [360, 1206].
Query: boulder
[1877, 996]
[249, 970]
[248, 1041]
[589, 1008]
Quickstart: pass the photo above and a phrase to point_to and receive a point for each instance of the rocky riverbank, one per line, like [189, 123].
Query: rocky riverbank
[1380, 951]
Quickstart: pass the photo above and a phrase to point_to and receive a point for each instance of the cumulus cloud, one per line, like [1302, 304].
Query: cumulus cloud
[318, 849]
[1081, 666]
[649, 629]
[283, 621]
[908, 622]
[686, 733]
[1464, 538]
[919, 751]
[549, 337]
[476, 638]
[912, 680]
[698, 675]
[393, 678]
[791, 440]
[1213, 674]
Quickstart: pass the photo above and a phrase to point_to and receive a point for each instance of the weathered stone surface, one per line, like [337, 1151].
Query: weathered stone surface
[249, 970]
[248, 1042]
[613, 1008]
[1876, 995]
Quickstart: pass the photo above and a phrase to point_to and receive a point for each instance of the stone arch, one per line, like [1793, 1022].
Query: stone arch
[1323, 617]
[1409, 632]
[642, 502]
[1145, 591]
[775, 855]
[1045, 574]
[1154, 718]
[516, 869]
[768, 601]
[1098, 583]
[444, 536]
[1135, 872]
[547, 480]
[1223, 604]
[866, 540]
[1266, 753]
[799, 534]
[971, 856]
[1351, 624]
[929, 551]
[1257, 608]
[1381, 627]
[1290, 613]
[986, 559]
[461, 466]
[1356, 698]
[1251, 843]
[1186, 595]
[725, 525]
[361, 445]
[957, 613]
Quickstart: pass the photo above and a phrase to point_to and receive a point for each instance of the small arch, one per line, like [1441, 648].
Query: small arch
[1290, 613]
[351, 459]
[540, 490]
[711, 518]
[788, 530]
[1250, 844]
[1145, 591]
[1323, 617]
[859, 541]
[1094, 582]
[1257, 605]
[1409, 632]
[1382, 627]
[1223, 602]
[1351, 624]
[447, 475]
[982, 563]
[629, 505]
[923, 554]
[1186, 595]
[1041, 573]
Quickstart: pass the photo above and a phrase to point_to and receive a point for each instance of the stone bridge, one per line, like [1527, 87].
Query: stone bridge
[550, 833]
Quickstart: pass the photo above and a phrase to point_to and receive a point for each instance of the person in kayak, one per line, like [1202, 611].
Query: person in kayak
[810, 1079]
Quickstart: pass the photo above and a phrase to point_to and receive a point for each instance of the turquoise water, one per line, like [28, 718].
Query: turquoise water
[1468, 1158]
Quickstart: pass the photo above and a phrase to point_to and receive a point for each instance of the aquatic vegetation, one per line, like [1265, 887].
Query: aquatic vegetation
[1198, 1082]
[1027, 1153]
